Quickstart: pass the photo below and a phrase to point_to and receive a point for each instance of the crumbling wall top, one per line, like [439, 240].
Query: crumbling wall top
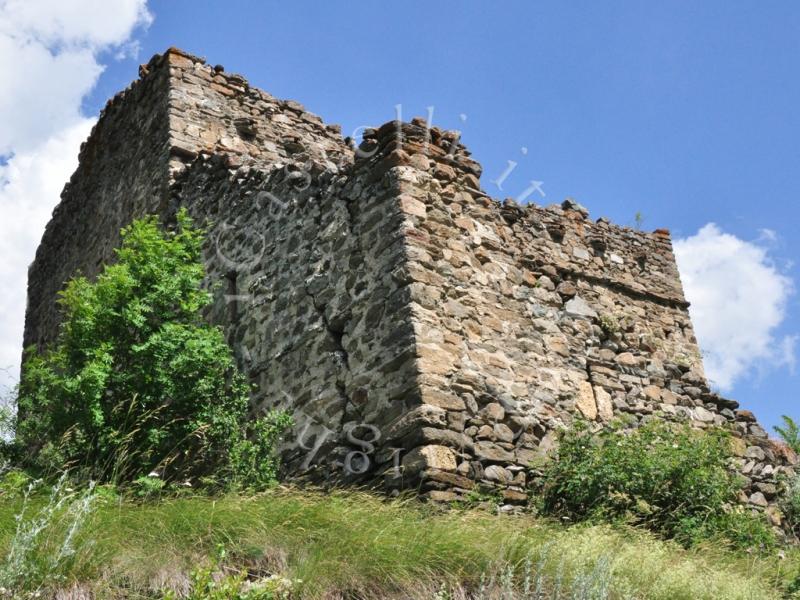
[638, 262]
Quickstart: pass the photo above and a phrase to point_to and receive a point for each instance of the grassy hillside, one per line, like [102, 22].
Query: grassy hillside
[354, 545]
[103, 405]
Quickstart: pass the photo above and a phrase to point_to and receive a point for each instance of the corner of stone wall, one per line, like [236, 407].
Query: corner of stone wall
[420, 164]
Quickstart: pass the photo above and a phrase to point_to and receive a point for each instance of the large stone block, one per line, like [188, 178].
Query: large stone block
[430, 457]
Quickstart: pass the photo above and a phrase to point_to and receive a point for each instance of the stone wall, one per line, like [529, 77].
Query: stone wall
[423, 334]
[527, 318]
[308, 294]
[303, 247]
[122, 174]
[215, 112]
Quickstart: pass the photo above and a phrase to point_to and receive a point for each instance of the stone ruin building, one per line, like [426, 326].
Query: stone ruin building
[423, 334]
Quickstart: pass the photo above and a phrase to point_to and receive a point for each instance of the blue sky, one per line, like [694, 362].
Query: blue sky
[685, 112]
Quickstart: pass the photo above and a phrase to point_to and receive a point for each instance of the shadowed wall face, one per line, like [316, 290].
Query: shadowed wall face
[122, 174]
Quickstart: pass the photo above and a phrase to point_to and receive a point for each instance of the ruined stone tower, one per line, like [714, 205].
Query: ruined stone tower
[422, 333]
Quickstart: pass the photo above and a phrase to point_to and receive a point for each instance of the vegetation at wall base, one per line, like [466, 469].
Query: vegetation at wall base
[137, 382]
[156, 484]
[290, 543]
[665, 476]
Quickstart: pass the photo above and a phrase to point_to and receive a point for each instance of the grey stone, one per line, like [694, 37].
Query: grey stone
[581, 253]
[578, 307]
[703, 415]
[493, 452]
[755, 452]
[498, 474]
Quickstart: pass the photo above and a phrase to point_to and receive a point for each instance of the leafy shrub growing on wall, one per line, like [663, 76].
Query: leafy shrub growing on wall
[137, 381]
[668, 477]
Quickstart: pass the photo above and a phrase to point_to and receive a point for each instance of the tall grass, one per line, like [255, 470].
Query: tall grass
[44, 543]
[354, 545]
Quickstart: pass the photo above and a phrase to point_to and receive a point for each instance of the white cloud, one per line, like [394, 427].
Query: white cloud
[64, 24]
[738, 299]
[49, 61]
[42, 92]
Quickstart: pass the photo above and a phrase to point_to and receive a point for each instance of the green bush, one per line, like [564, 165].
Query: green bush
[211, 583]
[137, 381]
[668, 477]
[147, 488]
[253, 459]
[13, 483]
[790, 503]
